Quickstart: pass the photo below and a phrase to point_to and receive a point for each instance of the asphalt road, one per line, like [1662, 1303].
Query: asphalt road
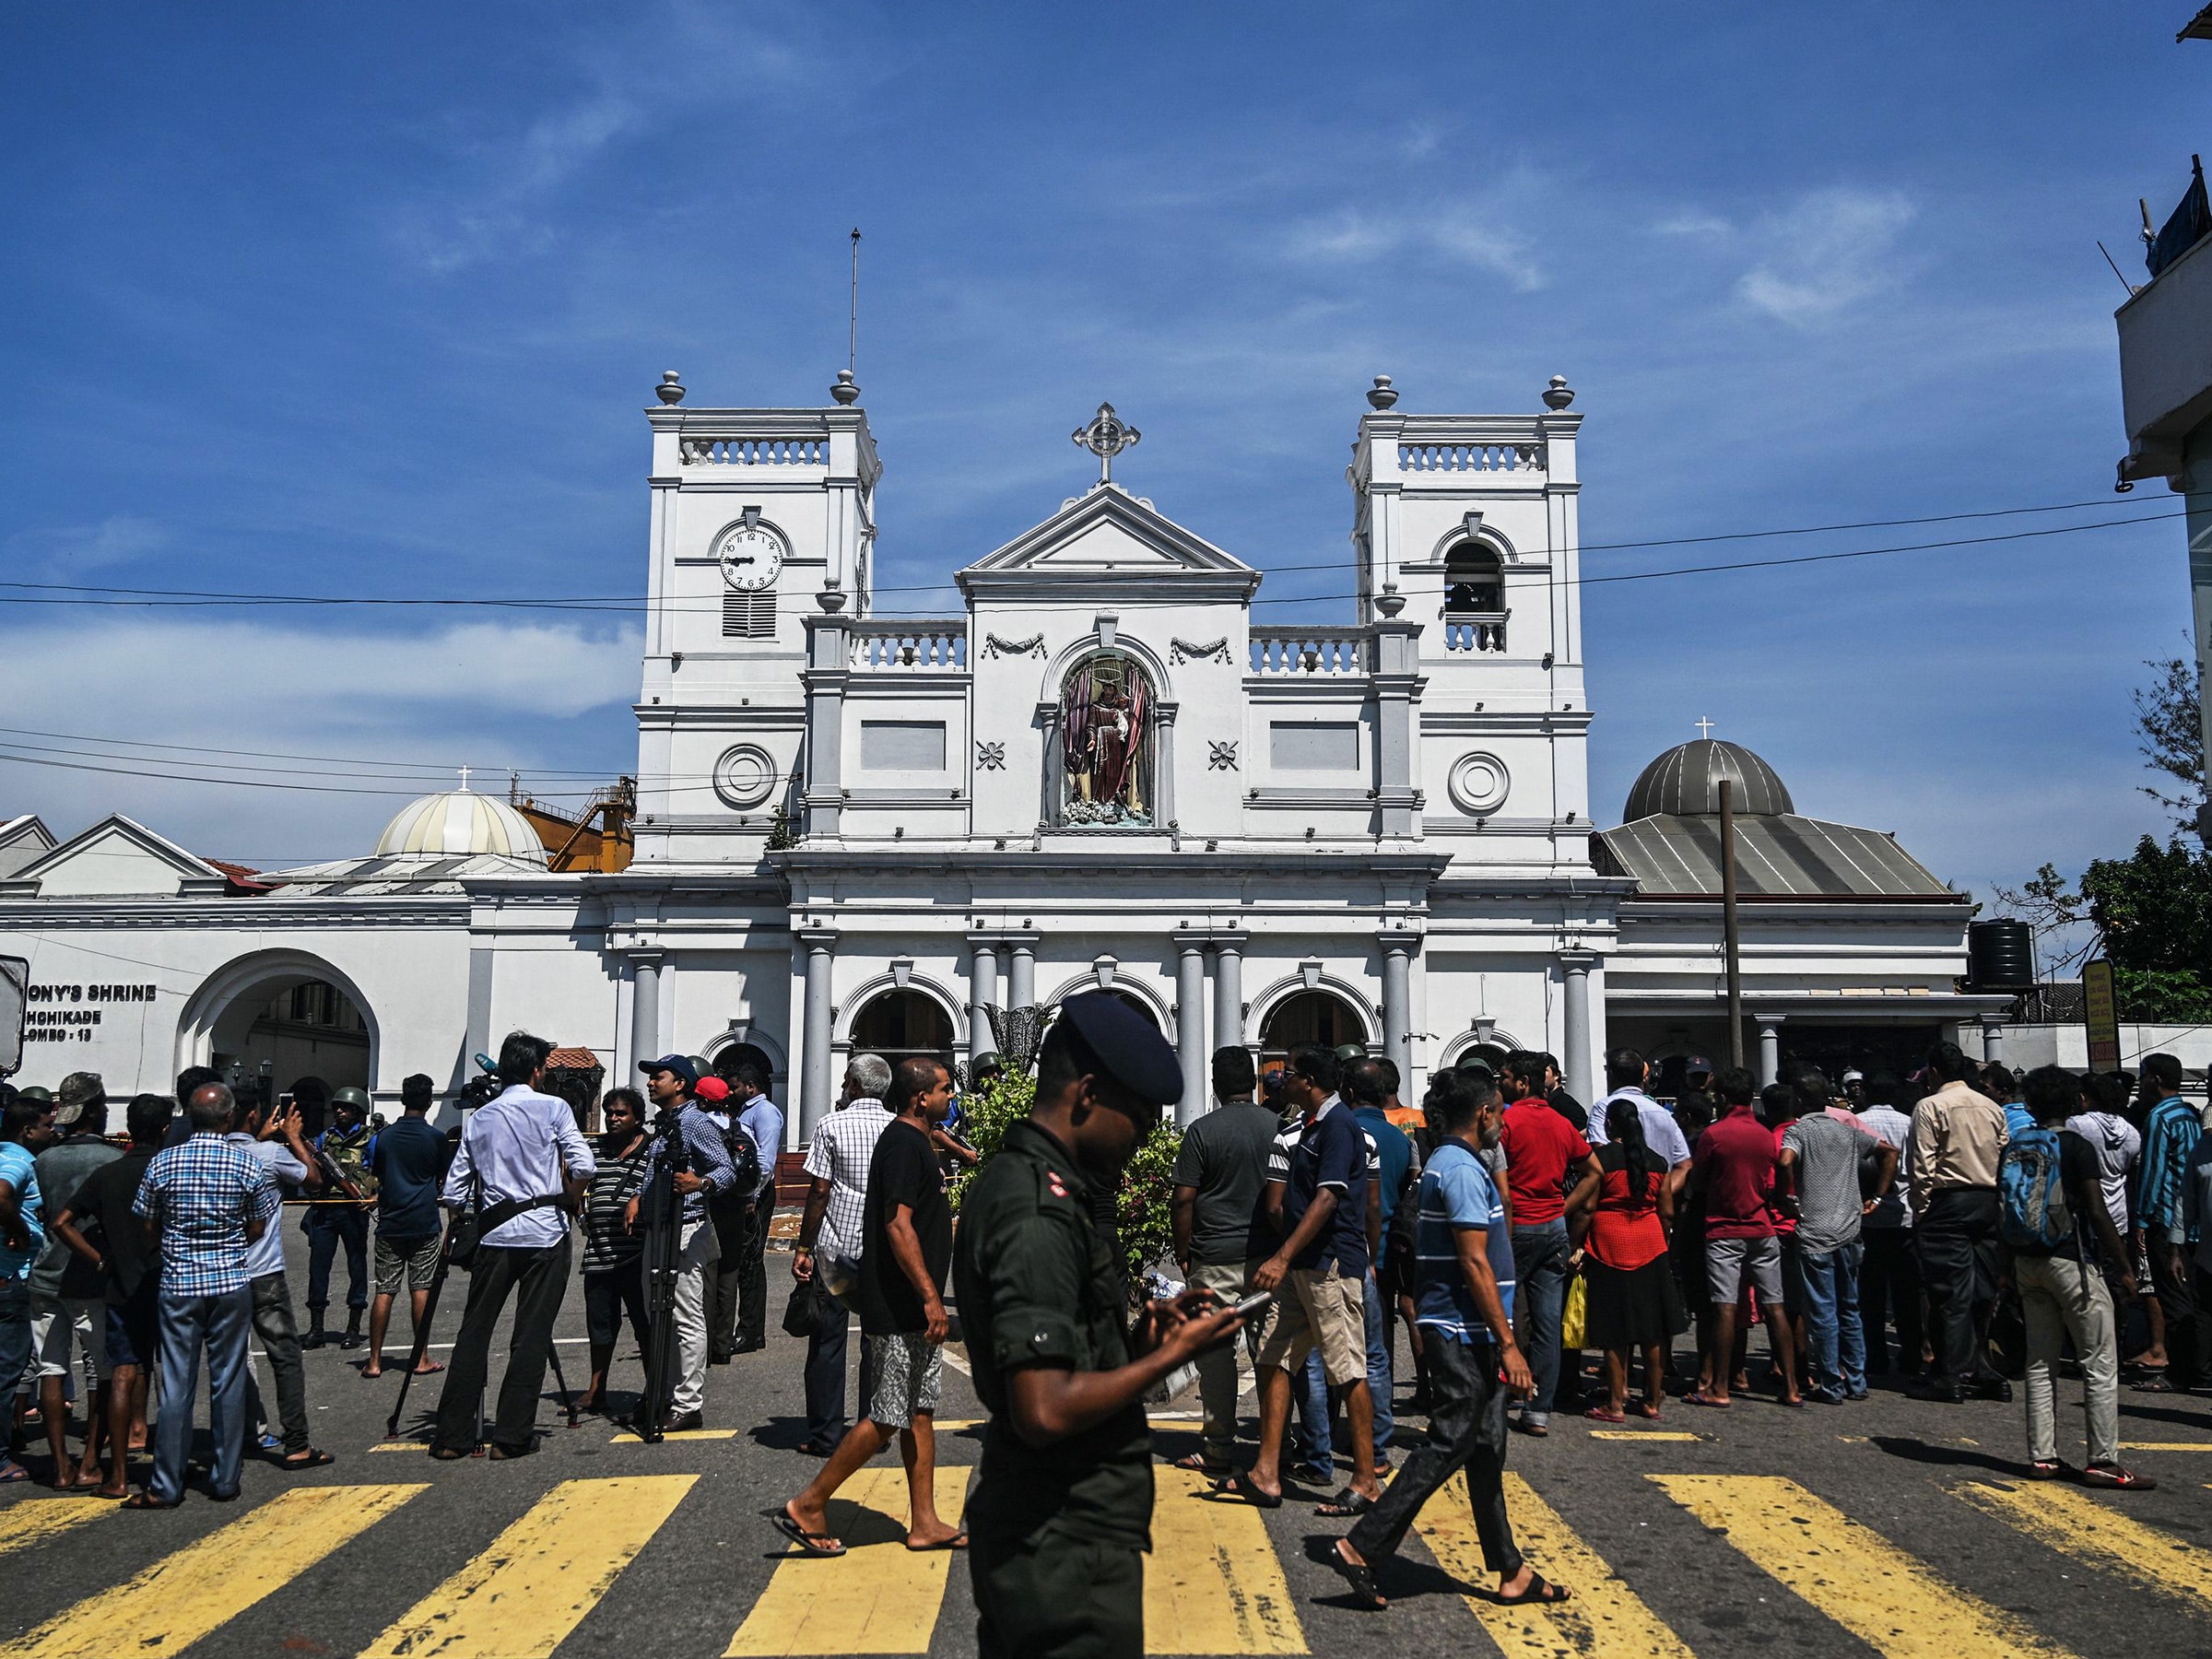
[1890, 1526]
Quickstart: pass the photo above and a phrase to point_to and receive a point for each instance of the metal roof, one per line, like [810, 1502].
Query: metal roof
[1687, 780]
[385, 876]
[1778, 856]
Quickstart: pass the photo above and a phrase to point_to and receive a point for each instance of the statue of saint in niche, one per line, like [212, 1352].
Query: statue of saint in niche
[1106, 743]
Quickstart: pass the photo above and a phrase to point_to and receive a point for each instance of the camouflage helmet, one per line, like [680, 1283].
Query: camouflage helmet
[349, 1096]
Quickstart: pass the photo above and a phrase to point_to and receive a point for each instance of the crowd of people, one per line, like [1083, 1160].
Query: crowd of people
[1941, 1229]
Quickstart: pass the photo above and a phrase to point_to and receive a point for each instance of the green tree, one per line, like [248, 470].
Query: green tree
[1142, 1206]
[2169, 722]
[2155, 912]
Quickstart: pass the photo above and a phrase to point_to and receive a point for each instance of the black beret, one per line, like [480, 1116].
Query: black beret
[1128, 1047]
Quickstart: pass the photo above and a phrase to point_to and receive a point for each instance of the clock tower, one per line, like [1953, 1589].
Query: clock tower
[754, 513]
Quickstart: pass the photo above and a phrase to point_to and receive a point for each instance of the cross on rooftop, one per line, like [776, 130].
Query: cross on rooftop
[465, 778]
[1107, 436]
[1704, 727]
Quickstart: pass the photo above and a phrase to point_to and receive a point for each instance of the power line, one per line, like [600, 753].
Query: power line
[28, 593]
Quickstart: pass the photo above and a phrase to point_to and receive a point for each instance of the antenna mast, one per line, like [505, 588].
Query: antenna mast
[853, 334]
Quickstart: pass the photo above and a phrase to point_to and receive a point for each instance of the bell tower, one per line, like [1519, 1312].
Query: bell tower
[755, 513]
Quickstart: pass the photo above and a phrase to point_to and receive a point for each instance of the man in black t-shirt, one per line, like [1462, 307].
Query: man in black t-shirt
[906, 1251]
[409, 1163]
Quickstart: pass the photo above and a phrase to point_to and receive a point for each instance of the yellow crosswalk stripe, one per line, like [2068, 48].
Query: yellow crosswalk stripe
[1604, 1620]
[2075, 1524]
[184, 1596]
[629, 1437]
[1851, 1573]
[35, 1520]
[521, 1596]
[879, 1597]
[1213, 1583]
[1642, 1435]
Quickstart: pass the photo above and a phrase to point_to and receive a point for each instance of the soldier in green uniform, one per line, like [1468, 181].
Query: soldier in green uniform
[1062, 1510]
[340, 1216]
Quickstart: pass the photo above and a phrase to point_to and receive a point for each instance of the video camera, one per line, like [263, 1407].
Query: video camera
[483, 1088]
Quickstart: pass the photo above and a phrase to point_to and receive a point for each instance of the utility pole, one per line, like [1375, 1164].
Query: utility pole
[1729, 941]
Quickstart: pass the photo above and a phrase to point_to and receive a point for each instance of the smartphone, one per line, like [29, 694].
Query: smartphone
[1254, 1304]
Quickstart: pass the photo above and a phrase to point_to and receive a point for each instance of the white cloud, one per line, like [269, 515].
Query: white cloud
[1480, 234]
[114, 540]
[488, 695]
[1827, 253]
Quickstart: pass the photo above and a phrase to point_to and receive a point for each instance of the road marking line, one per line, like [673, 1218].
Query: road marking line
[533, 1583]
[1643, 1434]
[37, 1519]
[1214, 1584]
[211, 1581]
[1851, 1573]
[421, 1446]
[2075, 1524]
[631, 1438]
[879, 1597]
[2165, 1445]
[1605, 1620]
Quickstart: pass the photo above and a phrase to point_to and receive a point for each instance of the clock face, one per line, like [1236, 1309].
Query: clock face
[751, 559]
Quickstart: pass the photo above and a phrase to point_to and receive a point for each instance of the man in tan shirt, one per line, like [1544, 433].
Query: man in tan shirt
[1957, 1137]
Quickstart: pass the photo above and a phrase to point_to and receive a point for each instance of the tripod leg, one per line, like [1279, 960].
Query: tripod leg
[422, 1348]
[567, 1403]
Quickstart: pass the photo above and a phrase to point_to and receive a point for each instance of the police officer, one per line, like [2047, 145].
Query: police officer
[1062, 1510]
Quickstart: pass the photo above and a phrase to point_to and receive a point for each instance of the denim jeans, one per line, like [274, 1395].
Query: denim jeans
[14, 1342]
[188, 1323]
[1832, 1331]
[329, 1226]
[1540, 1267]
[1379, 1381]
[1311, 1389]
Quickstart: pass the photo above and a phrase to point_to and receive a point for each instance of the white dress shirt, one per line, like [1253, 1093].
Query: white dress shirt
[265, 1255]
[521, 1145]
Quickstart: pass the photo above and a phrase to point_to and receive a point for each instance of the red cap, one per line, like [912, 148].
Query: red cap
[711, 1089]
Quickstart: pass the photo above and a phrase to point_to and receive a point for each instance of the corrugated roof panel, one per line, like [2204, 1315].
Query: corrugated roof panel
[1782, 856]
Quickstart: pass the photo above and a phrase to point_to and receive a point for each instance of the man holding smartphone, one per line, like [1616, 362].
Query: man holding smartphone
[1464, 1289]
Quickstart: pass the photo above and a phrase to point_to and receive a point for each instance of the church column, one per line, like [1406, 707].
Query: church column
[814, 1080]
[1397, 999]
[644, 1008]
[1992, 1039]
[1769, 1046]
[1163, 768]
[1021, 974]
[1228, 994]
[1190, 1027]
[829, 669]
[1577, 1071]
[982, 993]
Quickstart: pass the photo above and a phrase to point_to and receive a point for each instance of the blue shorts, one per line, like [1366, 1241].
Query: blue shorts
[134, 1330]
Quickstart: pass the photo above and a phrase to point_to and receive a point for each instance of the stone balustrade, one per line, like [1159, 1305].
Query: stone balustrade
[1283, 652]
[1470, 457]
[755, 451]
[911, 644]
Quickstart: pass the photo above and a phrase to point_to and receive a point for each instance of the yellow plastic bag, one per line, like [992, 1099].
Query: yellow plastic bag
[1574, 1315]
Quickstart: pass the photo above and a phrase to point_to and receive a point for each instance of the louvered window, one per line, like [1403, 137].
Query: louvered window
[748, 616]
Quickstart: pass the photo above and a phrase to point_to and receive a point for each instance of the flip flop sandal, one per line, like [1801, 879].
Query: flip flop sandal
[1540, 1590]
[958, 1541]
[11, 1472]
[147, 1500]
[311, 1458]
[1701, 1398]
[1361, 1578]
[1345, 1506]
[1599, 1414]
[1239, 1486]
[2154, 1382]
[1205, 1466]
[820, 1545]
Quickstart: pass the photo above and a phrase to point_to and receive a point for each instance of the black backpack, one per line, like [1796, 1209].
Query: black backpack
[738, 1143]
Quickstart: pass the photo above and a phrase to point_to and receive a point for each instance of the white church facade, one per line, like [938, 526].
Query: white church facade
[857, 830]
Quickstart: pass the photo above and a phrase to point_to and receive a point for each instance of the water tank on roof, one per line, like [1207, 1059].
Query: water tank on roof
[2000, 955]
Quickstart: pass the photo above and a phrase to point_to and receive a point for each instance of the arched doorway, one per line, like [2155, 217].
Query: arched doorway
[900, 1024]
[266, 1021]
[1321, 1017]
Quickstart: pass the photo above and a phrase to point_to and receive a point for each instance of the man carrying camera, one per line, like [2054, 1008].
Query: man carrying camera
[703, 1175]
[520, 1165]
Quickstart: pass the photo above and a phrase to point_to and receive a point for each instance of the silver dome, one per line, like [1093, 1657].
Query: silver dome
[1685, 783]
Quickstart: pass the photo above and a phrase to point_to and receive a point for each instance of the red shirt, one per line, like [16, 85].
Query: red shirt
[1734, 1163]
[1540, 1146]
[1626, 1232]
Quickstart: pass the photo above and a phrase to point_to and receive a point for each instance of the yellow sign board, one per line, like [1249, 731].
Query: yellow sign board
[2100, 1012]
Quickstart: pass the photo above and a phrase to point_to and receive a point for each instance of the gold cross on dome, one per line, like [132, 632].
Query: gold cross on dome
[1106, 437]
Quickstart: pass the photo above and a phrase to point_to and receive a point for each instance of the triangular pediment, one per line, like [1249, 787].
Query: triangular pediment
[24, 839]
[1111, 538]
[119, 857]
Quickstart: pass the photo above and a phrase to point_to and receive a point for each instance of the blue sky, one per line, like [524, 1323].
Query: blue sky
[367, 301]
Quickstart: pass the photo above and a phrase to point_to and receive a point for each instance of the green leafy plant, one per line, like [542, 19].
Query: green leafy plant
[1142, 1206]
[2155, 912]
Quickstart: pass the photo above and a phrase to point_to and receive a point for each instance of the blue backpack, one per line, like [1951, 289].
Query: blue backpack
[2032, 1196]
